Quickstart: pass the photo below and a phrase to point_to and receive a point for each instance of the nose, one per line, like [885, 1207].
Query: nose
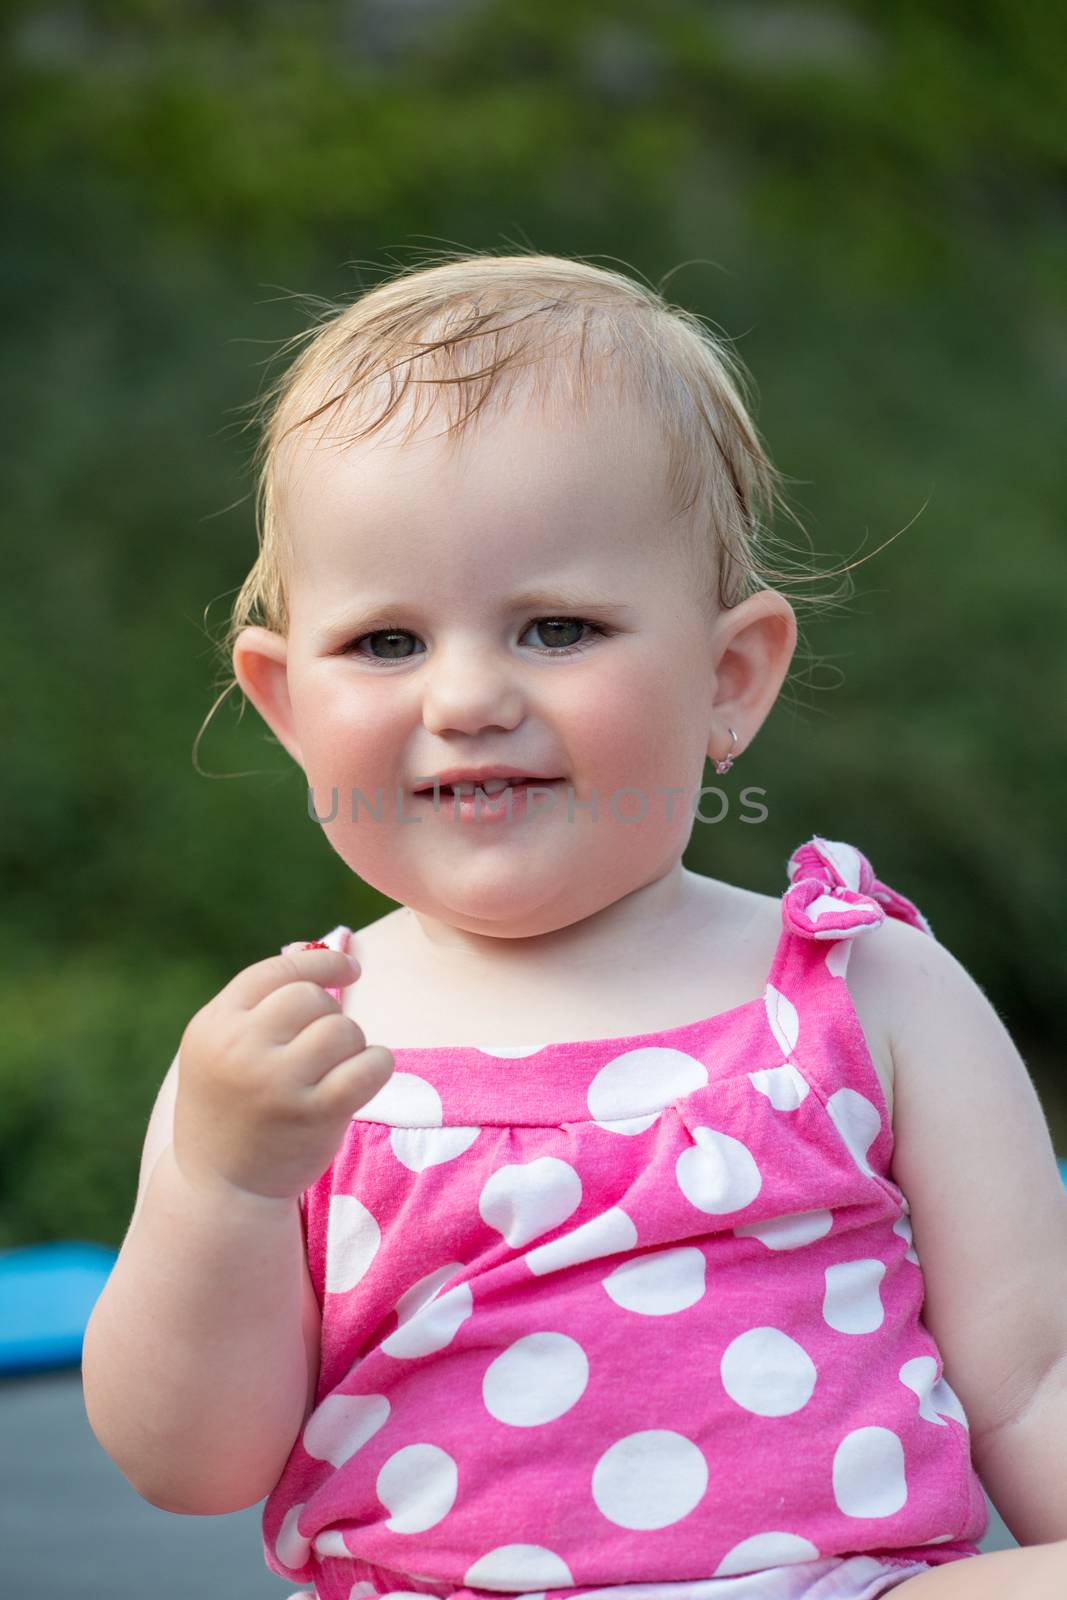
[468, 689]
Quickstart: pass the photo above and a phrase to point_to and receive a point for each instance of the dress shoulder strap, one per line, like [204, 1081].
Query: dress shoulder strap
[833, 898]
[834, 893]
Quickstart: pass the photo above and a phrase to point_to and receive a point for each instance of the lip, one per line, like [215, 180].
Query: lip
[454, 775]
[511, 804]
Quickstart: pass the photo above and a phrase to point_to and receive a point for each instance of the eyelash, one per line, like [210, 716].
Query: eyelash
[566, 650]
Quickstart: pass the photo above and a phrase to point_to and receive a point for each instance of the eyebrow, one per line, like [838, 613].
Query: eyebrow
[565, 595]
[558, 599]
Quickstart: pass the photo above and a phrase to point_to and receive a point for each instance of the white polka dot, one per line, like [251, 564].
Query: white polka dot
[767, 1372]
[419, 1148]
[417, 1486]
[338, 1427]
[843, 857]
[290, 1547]
[649, 1479]
[717, 1174]
[788, 1232]
[523, 1200]
[431, 1328]
[824, 904]
[782, 1016]
[422, 1291]
[858, 1123]
[828, 905]
[405, 1100]
[429, 1320]
[852, 1302]
[764, 1550]
[519, 1567]
[659, 1284]
[936, 1400]
[352, 1242]
[628, 1125]
[837, 957]
[536, 1379]
[903, 1226]
[330, 1543]
[606, 1235]
[868, 1473]
[508, 1052]
[783, 1086]
[643, 1080]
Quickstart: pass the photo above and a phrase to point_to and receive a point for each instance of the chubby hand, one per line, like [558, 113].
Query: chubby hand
[270, 1074]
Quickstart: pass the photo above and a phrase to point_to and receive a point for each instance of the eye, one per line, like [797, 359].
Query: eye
[394, 636]
[395, 639]
[551, 623]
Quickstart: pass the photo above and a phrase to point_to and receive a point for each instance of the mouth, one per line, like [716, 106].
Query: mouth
[490, 788]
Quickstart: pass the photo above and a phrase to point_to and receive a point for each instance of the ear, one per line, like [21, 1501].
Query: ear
[260, 667]
[754, 645]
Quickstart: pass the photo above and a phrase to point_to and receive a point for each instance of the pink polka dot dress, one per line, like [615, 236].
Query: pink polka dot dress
[637, 1314]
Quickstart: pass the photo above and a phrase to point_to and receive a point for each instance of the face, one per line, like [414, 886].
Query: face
[520, 599]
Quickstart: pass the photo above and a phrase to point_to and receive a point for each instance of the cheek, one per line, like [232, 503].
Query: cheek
[636, 723]
[345, 739]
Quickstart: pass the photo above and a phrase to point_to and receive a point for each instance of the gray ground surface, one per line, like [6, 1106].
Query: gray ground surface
[71, 1528]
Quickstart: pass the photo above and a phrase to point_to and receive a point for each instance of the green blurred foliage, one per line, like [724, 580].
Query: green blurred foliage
[869, 199]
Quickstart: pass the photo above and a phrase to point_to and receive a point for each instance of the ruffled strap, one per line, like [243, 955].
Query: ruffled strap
[834, 894]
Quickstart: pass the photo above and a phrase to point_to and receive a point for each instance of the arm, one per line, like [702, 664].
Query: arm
[974, 1157]
[201, 1355]
[1023, 1464]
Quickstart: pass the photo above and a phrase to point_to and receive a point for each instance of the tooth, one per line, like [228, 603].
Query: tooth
[495, 785]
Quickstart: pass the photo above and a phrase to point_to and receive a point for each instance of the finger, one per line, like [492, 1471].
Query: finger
[330, 968]
[287, 1011]
[351, 1084]
[323, 1045]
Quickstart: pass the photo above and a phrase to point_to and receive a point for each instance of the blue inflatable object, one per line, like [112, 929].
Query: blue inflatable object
[1063, 1170]
[47, 1292]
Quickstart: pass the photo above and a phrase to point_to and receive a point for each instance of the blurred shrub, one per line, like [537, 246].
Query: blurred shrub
[869, 199]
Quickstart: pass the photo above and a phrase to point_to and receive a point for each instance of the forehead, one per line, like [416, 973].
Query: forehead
[529, 489]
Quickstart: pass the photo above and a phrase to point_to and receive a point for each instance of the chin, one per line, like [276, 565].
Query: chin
[497, 908]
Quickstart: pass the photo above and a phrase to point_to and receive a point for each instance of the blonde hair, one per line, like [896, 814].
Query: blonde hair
[475, 326]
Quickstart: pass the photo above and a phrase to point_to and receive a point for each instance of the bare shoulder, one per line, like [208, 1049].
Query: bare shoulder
[380, 995]
[375, 937]
[894, 976]
[883, 969]
[973, 1153]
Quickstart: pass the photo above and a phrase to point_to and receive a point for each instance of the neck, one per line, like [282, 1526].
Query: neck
[669, 907]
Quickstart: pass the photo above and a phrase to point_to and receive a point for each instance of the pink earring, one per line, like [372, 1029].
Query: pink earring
[728, 760]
